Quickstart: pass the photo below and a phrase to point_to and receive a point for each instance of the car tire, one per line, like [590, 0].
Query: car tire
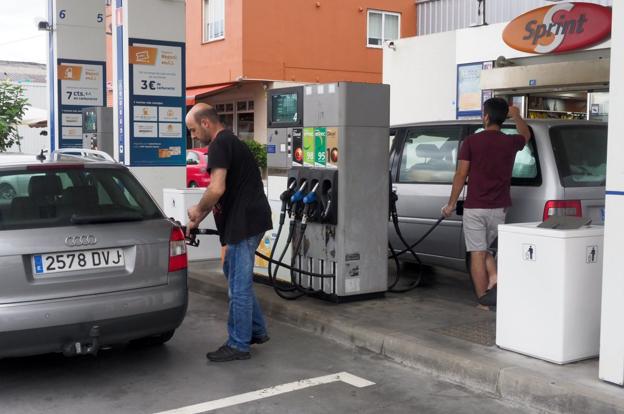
[193, 184]
[7, 192]
[154, 340]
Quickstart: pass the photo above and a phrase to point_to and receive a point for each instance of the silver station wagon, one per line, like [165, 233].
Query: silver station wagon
[561, 172]
[87, 259]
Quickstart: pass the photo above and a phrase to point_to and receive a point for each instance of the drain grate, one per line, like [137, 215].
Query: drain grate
[481, 333]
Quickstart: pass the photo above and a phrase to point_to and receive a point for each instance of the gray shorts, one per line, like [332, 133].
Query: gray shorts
[481, 227]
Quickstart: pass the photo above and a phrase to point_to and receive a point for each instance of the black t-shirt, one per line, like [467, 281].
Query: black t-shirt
[243, 211]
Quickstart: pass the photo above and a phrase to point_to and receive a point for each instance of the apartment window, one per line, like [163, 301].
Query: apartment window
[214, 20]
[382, 27]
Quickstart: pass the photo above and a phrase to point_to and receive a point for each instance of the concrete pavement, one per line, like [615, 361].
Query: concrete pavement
[438, 330]
[151, 380]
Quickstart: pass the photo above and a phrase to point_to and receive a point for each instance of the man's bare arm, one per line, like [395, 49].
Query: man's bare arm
[215, 190]
[521, 125]
[459, 181]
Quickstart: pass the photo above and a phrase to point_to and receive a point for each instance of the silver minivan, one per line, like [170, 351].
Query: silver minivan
[561, 172]
[87, 259]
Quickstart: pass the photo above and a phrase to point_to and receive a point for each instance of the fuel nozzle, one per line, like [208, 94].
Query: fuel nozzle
[310, 203]
[286, 203]
[327, 209]
[298, 196]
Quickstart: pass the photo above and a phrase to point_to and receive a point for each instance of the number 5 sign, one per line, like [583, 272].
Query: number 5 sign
[76, 65]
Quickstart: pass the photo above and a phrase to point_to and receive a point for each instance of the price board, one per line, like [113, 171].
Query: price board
[81, 84]
[157, 103]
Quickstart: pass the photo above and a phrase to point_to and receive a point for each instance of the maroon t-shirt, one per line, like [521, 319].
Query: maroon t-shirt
[491, 155]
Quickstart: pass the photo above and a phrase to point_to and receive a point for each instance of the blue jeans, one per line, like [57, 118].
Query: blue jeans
[245, 318]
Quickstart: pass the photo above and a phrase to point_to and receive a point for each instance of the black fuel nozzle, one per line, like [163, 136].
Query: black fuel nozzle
[192, 239]
[327, 209]
[286, 197]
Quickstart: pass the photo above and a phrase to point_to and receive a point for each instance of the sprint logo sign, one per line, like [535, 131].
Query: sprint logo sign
[559, 28]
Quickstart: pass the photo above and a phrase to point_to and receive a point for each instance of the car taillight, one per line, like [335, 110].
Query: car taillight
[563, 208]
[178, 259]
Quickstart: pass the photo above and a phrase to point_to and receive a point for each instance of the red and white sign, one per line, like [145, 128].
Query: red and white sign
[559, 28]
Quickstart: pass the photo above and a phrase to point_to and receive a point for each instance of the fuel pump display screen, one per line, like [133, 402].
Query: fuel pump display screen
[284, 108]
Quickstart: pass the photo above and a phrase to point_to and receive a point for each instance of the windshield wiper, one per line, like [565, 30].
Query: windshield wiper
[79, 219]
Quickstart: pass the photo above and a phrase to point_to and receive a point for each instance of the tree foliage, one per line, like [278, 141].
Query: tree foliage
[259, 152]
[12, 109]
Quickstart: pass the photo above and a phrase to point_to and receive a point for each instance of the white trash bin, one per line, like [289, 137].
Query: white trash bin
[176, 204]
[549, 291]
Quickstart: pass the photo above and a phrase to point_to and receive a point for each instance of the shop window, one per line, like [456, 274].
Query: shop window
[430, 155]
[214, 20]
[382, 27]
[238, 116]
[227, 120]
[245, 126]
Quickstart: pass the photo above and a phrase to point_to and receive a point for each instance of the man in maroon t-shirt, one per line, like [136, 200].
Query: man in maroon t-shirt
[486, 160]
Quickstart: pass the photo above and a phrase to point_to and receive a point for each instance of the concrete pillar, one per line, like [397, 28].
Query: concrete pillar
[612, 327]
[76, 66]
[150, 91]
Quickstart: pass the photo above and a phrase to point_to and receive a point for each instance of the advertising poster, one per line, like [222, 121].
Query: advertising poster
[469, 96]
[308, 147]
[297, 147]
[157, 100]
[320, 147]
[81, 84]
[332, 148]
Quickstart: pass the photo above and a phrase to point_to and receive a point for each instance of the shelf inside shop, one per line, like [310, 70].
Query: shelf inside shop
[558, 112]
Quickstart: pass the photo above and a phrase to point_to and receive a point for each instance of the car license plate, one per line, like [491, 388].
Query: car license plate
[73, 261]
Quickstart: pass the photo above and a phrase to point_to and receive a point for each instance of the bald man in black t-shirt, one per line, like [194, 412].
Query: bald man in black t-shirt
[242, 214]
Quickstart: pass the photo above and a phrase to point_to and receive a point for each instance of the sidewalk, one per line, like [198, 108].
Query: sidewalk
[437, 329]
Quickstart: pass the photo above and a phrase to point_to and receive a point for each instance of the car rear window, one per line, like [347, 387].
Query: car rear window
[71, 196]
[581, 154]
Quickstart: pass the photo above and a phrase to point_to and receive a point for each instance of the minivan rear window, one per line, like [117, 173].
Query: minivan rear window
[71, 196]
[580, 154]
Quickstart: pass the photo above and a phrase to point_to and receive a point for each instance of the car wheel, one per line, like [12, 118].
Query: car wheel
[193, 184]
[7, 192]
[153, 340]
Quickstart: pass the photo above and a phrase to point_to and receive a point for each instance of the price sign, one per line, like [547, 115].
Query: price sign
[156, 70]
[81, 84]
[157, 100]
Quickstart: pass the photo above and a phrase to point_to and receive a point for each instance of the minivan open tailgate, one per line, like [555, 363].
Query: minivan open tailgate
[129, 255]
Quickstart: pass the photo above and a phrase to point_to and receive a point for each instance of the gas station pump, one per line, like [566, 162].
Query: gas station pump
[331, 143]
[97, 129]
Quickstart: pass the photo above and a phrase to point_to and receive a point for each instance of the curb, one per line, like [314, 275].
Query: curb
[511, 383]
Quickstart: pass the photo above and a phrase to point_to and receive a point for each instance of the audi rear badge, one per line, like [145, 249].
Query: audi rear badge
[77, 241]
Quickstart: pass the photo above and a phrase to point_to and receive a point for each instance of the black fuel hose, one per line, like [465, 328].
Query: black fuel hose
[422, 238]
[394, 215]
[267, 258]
